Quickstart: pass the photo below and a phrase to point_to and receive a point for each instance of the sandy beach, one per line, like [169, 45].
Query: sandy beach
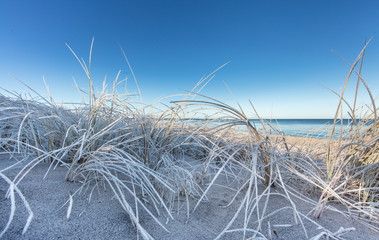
[103, 217]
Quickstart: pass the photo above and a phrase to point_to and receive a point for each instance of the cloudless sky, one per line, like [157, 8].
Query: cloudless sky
[279, 51]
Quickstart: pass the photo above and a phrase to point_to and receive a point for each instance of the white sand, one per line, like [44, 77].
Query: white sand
[103, 217]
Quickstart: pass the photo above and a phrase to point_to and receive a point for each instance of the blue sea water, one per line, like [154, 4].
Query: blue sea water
[312, 128]
[315, 128]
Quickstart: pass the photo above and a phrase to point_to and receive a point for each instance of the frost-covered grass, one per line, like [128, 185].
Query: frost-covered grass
[151, 161]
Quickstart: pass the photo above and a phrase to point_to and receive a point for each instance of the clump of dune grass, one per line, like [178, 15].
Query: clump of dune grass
[105, 141]
[352, 163]
[248, 163]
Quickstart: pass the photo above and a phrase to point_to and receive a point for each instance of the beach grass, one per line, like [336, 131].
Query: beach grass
[155, 164]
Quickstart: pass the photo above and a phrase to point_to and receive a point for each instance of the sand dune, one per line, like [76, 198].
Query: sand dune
[103, 217]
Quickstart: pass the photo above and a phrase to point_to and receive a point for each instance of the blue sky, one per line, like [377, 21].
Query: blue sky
[279, 51]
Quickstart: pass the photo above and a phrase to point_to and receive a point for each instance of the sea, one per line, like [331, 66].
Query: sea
[312, 128]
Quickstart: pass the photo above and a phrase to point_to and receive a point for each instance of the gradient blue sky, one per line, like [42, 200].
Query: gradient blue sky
[279, 51]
